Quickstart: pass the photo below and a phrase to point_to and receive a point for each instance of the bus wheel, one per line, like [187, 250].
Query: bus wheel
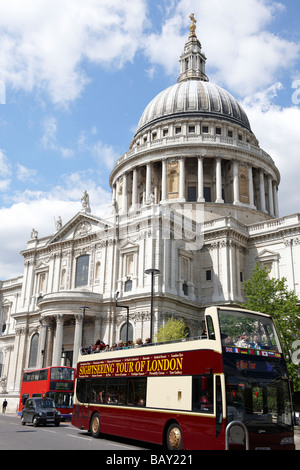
[95, 425]
[174, 437]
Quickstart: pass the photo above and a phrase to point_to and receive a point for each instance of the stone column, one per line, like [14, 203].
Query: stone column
[219, 181]
[182, 179]
[148, 182]
[200, 180]
[124, 195]
[164, 180]
[271, 202]
[236, 193]
[17, 365]
[251, 189]
[134, 189]
[114, 192]
[77, 337]
[262, 191]
[42, 348]
[275, 196]
[58, 339]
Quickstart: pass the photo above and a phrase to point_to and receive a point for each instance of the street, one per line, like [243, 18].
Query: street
[14, 436]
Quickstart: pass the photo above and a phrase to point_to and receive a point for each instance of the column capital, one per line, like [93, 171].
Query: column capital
[59, 317]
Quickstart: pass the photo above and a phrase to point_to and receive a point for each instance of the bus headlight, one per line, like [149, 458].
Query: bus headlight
[287, 440]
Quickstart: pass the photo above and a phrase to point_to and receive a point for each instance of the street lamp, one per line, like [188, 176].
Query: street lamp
[127, 308]
[83, 320]
[153, 272]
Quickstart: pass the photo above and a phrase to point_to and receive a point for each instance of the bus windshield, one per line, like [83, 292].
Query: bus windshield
[259, 402]
[247, 330]
[61, 373]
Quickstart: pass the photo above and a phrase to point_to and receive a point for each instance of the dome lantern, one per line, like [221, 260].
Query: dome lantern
[192, 60]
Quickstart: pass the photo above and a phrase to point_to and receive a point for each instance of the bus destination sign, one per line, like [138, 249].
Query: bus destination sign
[162, 364]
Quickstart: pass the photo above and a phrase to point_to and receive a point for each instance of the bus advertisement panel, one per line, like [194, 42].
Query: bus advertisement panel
[53, 382]
[213, 392]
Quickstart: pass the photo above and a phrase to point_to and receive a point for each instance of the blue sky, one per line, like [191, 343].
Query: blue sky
[76, 76]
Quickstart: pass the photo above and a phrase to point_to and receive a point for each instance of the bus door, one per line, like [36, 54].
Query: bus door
[86, 398]
[219, 407]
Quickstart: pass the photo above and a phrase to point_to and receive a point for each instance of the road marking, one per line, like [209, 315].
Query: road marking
[78, 437]
[48, 430]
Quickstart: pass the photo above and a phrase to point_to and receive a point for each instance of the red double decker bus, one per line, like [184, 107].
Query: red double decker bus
[229, 389]
[52, 382]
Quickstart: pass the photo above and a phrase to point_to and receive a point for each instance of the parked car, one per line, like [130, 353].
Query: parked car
[40, 411]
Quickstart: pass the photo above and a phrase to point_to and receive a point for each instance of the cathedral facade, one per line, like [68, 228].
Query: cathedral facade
[194, 198]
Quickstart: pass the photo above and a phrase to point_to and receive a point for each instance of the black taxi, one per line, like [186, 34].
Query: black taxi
[40, 411]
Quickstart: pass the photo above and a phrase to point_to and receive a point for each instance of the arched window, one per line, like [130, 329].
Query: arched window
[123, 332]
[33, 351]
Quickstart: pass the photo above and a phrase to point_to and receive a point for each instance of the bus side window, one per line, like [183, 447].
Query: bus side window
[82, 391]
[202, 393]
[210, 327]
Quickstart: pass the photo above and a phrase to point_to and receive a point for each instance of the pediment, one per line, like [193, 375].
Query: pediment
[267, 255]
[41, 266]
[127, 246]
[80, 226]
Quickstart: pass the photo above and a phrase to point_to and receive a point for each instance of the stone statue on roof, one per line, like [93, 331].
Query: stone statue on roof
[193, 26]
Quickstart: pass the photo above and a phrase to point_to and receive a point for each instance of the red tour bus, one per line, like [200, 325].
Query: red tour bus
[52, 382]
[227, 390]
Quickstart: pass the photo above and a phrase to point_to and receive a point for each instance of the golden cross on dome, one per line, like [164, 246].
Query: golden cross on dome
[193, 26]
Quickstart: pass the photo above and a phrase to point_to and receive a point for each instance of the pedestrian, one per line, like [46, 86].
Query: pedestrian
[4, 405]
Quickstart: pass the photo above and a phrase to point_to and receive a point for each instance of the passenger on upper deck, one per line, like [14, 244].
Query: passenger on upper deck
[255, 342]
[244, 343]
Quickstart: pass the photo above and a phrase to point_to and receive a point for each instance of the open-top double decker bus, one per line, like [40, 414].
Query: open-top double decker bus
[229, 389]
[52, 382]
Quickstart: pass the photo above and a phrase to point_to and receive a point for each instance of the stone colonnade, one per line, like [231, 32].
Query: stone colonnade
[51, 338]
[230, 181]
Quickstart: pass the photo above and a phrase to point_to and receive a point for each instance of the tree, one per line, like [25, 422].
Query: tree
[271, 296]
[172, 330]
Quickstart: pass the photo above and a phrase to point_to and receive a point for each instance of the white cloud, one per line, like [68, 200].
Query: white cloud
[44, 43]
[25, 174]
[242, 53]
[39, 210]
[5, 166]
[277, 130]
[5, 172]
[102, 153]
[49, 138]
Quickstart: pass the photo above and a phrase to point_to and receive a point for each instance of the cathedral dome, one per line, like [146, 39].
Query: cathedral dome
[194, 98]
[194, 144]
